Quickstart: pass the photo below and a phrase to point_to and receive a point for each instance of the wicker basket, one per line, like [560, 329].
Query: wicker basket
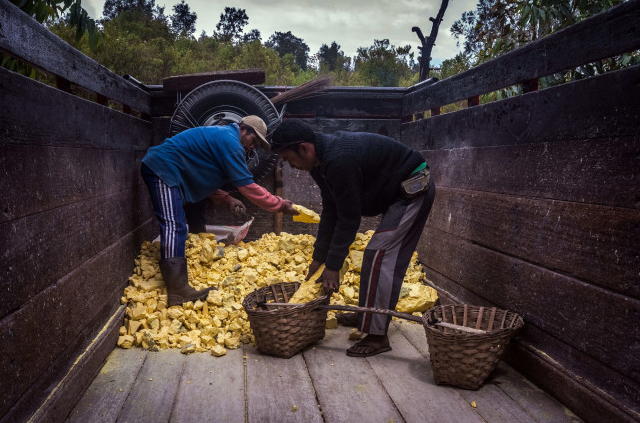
[462, 359]
[285, 331]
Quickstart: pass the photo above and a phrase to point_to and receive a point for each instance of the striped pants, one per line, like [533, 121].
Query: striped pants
[387, 258]
[168, 206]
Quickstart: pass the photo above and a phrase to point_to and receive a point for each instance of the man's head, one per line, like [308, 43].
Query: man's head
[295, 143]
[253, 133]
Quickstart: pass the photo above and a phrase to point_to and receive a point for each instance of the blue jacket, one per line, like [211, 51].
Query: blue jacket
[200, 161]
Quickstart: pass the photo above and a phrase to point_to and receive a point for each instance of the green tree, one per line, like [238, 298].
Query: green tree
[287, 43]
[499, 26]
[112, 8]
[183, 21]
[231, 25]
[384, 65]
[50, 11]
[251, 36]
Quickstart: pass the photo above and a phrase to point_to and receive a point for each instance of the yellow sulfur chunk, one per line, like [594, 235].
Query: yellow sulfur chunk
[306, 215]
[309, 290]
[417, 298]
[331, 323]
[355, 335]
[125, 341]
[188, 349]
[132, 326]
[355, 257]
[218, 351]
[138, 313]
[236, 271]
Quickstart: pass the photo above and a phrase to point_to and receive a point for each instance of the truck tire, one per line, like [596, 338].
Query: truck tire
[224, 102]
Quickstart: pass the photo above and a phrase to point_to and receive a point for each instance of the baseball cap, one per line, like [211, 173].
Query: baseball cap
[259, 127]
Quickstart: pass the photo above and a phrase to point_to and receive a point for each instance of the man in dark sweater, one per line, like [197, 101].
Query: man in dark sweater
[361, 174]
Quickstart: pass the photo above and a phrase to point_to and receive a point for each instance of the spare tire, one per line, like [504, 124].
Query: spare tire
[224, 102]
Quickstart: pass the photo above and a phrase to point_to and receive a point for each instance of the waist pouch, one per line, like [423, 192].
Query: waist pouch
[416, 185]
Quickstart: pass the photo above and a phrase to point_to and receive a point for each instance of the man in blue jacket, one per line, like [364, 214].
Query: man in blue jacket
[363, 174]
[188, 168]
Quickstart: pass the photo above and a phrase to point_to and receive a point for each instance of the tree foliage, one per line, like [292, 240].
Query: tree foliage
[499, 26]
[143, 43]
[48, 11]
[113, 8]
[231, 25]
[183, 21]
[287, 43]
[384, 65]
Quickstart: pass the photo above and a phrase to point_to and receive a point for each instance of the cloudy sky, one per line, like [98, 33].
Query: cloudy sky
[351, 23]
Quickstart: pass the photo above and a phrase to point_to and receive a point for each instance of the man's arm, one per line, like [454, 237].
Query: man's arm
[345, 183]
[221, 197]
[262, 198]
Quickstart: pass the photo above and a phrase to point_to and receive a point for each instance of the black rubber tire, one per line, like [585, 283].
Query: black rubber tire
[223, 102]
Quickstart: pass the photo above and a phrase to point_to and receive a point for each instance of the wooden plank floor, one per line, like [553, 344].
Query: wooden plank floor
[322, 383]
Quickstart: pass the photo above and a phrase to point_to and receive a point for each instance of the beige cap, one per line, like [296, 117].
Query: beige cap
[259, 127]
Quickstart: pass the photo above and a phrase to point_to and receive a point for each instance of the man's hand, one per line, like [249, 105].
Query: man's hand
[287, 208]
[236, 207]
[313, 268]
[330, 281]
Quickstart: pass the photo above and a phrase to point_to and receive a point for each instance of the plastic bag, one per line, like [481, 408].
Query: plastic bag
[229, 234]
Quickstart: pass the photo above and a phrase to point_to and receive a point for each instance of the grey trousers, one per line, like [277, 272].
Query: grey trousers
[387, 258]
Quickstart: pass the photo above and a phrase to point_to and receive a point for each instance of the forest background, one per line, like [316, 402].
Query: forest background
[140, 39]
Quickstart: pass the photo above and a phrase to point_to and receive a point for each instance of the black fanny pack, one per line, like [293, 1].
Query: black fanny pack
[417, 184]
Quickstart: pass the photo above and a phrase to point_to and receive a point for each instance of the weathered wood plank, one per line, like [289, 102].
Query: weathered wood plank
[34, 43]
[406, 375]
[523, 287]
[44, 386]
[44, 247]
[73, 308]
[76, 380]
[506, 396]
[191, 81]
[275, 386]
[211, 389]
[587, 400]
[568, 48]
[42, 115]
[598, 244]
[493, 405]
[532, 399]
[566, 112]
[40, 178]
[598, 171]
[153, 392]
[104, 398]
[347, 387]
[616, 394]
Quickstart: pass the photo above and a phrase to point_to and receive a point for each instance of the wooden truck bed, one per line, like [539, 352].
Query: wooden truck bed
[322, 382]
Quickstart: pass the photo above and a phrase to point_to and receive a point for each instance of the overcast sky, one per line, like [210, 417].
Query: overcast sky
[350, 23]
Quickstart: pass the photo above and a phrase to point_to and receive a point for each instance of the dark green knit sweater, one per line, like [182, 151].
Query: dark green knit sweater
[359, 175]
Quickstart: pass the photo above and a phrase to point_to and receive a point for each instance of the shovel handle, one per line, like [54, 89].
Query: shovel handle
[379, 311]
